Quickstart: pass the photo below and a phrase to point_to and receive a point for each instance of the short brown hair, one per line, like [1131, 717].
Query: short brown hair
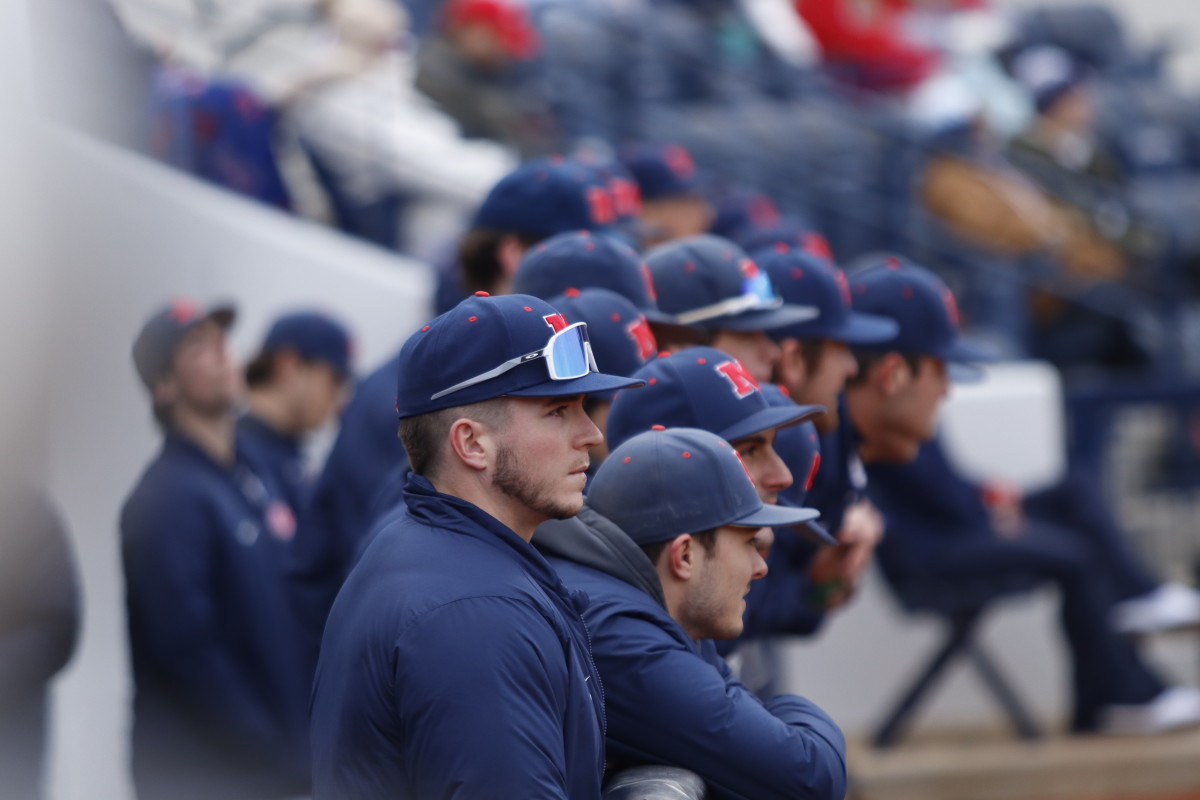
[424, 436]
[707, 540]
[479, 268]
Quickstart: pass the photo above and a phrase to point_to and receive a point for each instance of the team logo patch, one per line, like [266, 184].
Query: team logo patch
[843, 286]
[600, 204]
[649, 279]
[740, 379]
[812, 471]
[183, 311]
[557, 322]
[281, 521]
[679, 161]
[643, 338]
[951, 306]
[626, 197]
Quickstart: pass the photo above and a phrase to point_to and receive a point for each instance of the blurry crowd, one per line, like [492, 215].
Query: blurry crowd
[688, 179]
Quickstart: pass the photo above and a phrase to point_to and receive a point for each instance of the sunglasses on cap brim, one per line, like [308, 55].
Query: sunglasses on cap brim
[568, 355]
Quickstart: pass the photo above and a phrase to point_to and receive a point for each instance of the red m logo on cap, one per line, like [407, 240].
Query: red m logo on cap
[643, 338]
[739, 378]
[557, 322]
[600, 206]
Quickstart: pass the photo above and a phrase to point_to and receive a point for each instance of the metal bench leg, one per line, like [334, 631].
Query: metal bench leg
[1003, 692]
[956, 639]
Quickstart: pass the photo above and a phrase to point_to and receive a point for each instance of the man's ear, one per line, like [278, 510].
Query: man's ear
[286, 363]
[472, 443]
[890, 374]
[791, 369]
[681, 557]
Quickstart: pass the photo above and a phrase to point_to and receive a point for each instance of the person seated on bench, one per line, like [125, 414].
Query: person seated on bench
[939, 527]
[666, 548]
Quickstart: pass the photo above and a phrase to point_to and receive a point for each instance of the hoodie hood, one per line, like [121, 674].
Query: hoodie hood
[592, 540]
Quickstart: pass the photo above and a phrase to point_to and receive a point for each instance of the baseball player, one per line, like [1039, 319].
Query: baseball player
[220, 703]
[666, 549]
[295, 384]
[940, 529]
[722, 297]
[454, 661]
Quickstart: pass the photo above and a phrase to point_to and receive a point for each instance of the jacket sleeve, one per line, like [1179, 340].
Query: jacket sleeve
[170, 551]
[482, 689]
[667, 704]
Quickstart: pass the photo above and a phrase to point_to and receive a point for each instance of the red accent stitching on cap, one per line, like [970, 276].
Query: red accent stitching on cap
[906, 292]
[483, 294]
[652, 381]
[589, 245]
[797, 273]
[689, 267]
[571, 292]
[658, 427]
[425, 328]
[628, 459]
[686, 454]
[701, 361]
[781, 247]
[892, 263]
[472, 319]
[615, 317]
[527, 308]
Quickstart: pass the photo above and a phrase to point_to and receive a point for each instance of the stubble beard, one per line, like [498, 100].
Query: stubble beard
[514, 481]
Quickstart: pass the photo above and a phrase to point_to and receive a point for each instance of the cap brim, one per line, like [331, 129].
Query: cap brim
[963, 359]
[765, 320]
[862, 328]
[660, 317]
[768, 418]
[812, 530]
[592, 383]
[770, 516]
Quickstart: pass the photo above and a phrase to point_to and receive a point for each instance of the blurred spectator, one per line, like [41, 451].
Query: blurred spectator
[220, 707]
[867, 44]
[339, 76]
[39, 626]
[296, 384]
[476, 67]
[673, 205]
[969, 186]
[1061, 152]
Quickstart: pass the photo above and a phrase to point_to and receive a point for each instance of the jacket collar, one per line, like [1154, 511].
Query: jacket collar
[595, 541]
[431, 507]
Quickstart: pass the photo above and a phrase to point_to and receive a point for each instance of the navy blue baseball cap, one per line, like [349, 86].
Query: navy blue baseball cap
[711, 283]
[699, 387]
[664, 483]
[154, 347]
[546, 196]
[662, 170]
[806, 279]
[620, 335]
[925, 310]
[581, 260]
[740, 212]
[314, 336]
[486, 347]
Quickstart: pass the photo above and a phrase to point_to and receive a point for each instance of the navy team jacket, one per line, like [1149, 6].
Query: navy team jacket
[221, 688]
[671, 700]
[455, 664]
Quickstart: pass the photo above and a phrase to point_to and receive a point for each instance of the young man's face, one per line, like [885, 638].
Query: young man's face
[770, 475]
[320, 392]
[908, 418]
[818, 382]
[542, 456]
[204, 376]
[714, 602]
[757, 351]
